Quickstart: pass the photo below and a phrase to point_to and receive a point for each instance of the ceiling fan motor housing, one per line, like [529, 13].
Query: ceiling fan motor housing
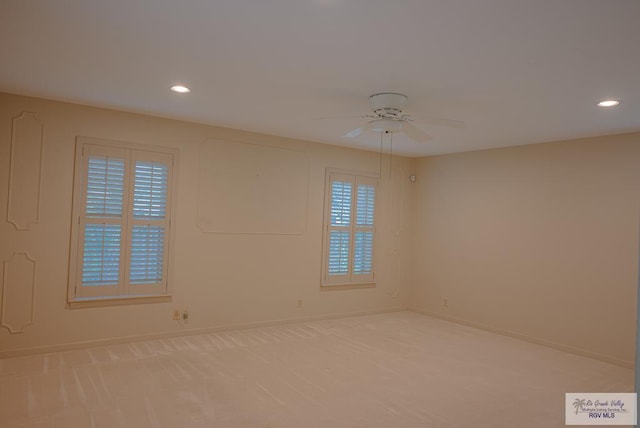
[388, 104]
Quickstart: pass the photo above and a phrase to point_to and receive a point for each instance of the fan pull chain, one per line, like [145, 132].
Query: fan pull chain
[390, 186]
[390, 155]
[380, 163]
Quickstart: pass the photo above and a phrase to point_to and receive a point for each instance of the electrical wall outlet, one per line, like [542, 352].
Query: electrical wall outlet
[185, 315]
[445, 303]
[176, 315]
[300, 303]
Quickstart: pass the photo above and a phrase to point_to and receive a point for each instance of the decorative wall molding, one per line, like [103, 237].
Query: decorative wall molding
[25, 171]
[17, 296]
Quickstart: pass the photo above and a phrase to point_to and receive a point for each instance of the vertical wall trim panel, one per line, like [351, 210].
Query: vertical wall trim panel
[18, 292]
[25, 171]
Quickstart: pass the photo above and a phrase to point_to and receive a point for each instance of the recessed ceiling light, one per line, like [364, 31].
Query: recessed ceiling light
[181, 89]
[608, 103]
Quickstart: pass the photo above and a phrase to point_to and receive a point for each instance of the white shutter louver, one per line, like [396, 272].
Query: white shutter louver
[340, 203]
[365, 204]
[147, 254]
[150, 191]
[363, 253]
[105, 187]
[101, 254]
[338, 253]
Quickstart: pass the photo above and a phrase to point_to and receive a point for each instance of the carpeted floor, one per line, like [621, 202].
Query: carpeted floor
[398, 369]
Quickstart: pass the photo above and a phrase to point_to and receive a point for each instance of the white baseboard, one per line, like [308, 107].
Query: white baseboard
[165, 335]
[538, 341]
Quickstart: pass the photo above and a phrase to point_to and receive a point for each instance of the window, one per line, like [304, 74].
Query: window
[349, 229]
[122, 221]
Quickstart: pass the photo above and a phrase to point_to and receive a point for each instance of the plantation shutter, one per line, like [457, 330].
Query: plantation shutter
[149, 223]
[149, 226]
[123, 223]
[339, 236]
[102, 221]
[364, 230]
[349, 229]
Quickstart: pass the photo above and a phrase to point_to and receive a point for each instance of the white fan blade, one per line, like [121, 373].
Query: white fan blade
[449, 123]
[354, 133]
[359, 116]
[358, 131]
[415, 133]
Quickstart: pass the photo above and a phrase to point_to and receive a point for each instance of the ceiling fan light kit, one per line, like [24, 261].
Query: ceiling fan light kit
[386, 125]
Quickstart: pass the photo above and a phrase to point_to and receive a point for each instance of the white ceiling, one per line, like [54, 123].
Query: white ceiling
[515, 71]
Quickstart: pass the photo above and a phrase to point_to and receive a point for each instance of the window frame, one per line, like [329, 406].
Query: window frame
[123, 292]
[350, 280]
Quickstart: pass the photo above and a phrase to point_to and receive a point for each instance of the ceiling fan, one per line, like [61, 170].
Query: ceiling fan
[388, 117]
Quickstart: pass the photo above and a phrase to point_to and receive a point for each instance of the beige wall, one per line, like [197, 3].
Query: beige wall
[540, 241]
[222, 279]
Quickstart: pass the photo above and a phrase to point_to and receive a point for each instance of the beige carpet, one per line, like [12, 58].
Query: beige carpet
[392, 370]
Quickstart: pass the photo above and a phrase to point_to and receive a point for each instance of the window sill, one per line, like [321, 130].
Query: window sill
[95, 302]
[332, 287]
